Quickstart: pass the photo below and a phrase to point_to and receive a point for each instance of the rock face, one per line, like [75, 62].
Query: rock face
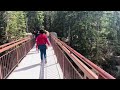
[54, 33]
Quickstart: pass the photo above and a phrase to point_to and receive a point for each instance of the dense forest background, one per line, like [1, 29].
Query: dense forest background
[94, 34]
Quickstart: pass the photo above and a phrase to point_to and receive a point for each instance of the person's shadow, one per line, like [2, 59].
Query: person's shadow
[41, 76]
[28, 67]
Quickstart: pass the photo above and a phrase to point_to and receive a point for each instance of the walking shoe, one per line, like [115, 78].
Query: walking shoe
[45, 61]
[41, 61]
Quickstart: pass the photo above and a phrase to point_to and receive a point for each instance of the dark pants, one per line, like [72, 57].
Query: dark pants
[42, 49]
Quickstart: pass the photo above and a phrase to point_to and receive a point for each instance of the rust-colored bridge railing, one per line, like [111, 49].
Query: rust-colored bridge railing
[12, 54]
[74, 65]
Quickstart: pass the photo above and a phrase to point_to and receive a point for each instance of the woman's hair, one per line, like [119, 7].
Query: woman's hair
[45, 31]
[42, 31]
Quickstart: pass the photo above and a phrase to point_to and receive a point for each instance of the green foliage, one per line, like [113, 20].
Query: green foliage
[2, 27]
[16, 26]
[34, 20]
[95, 34]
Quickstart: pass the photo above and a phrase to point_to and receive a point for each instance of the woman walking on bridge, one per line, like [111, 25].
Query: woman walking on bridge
[41, 42]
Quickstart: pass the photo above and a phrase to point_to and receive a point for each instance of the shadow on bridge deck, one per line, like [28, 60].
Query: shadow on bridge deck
[32, 68]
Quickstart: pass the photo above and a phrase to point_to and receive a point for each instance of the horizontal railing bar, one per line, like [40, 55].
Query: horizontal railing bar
[100, 71]
[10, 43]
[11, 46]
[88, 62]
[15, 53]
[84, 68]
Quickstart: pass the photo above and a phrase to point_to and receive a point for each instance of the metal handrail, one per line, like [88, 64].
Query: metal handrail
[13, 54]
[10, 43]
[100, 72]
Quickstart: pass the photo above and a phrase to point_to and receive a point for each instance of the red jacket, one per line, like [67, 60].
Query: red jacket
[42, 40]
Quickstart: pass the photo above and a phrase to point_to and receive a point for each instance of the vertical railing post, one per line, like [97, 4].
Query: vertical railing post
[0, 72]
[14, 54]
[100, 77]
[17, 57]
[63, 66]
[25, 47]
[84, 76]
